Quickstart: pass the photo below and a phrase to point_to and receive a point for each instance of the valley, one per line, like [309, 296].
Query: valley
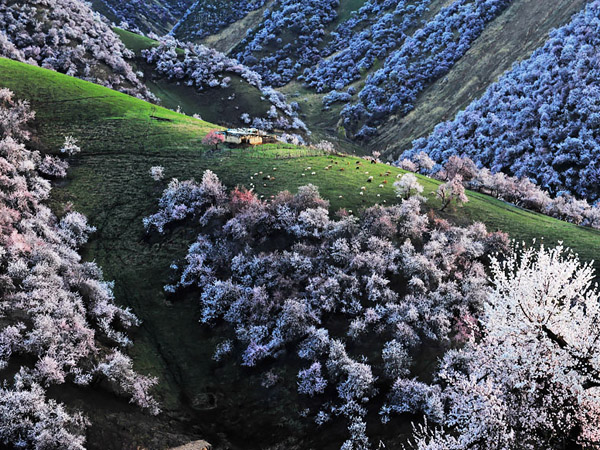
[335, 289]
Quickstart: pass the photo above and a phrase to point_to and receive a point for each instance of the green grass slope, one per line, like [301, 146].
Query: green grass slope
[227, 38]
[121, 138]
[158, 16]
[217, 105]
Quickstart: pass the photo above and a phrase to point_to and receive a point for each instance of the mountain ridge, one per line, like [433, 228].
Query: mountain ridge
[400, 132]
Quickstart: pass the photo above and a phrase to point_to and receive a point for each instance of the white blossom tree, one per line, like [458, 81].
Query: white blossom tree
[407, 186]
[157, 173]
[424, 162]
[70, 146]
[452, 190]
[533, 381]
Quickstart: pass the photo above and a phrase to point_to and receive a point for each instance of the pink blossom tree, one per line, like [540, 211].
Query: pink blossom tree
[452, 190]
[214, 137]
[407, 164]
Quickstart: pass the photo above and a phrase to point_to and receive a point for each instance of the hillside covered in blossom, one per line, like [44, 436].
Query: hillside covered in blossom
[345, 224]
[66, 36]
[540, 119]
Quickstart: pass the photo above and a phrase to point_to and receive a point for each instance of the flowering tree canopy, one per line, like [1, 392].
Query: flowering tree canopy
[67, 36]
[452, 190]
[408, 185]
[58, 319]
[519, 191]
[206, 68]
[540, 120]
[423, 57]
[533, 380]
[287, 279]
[213, 137]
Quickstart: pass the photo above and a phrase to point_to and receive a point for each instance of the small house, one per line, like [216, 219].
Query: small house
[248, 136]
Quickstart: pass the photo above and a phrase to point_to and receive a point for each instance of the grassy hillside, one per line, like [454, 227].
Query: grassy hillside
[217, 105]
[121, 138]
[228, 37]
[158, 16]
[509, 38]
